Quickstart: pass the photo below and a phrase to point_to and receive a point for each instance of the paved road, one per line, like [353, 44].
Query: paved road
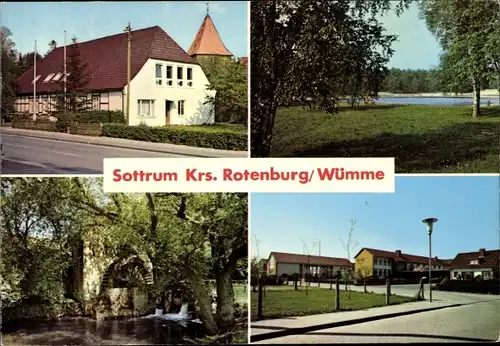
[411, 291]
[30, 155]
[477, 322]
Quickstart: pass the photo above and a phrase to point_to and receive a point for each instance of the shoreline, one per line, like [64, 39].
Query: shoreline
[484, 94]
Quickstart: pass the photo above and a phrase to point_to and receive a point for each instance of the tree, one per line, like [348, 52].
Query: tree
[41, 230]
[349, 245]
[303, 50]
[364, 271]
[52, 46]
[26, 61]
[468, 33]
[8, 73]
[229, 79]
[76, 99]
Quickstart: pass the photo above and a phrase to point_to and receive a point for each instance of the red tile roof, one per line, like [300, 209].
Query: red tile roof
[487, 259]
[207, 41]
[401, 257]
[244, 60]
[106, 60]
[282, 257]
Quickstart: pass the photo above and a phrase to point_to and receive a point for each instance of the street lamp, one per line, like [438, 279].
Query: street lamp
[430, 222]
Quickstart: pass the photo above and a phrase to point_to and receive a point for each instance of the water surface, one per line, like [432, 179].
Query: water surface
[86, 331]
[435, 101]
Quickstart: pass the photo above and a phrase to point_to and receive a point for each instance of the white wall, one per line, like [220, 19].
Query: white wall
[143, 87]
[478, 271]
[380, 267]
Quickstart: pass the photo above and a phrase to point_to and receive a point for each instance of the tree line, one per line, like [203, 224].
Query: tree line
[188, 239]
[408, 81]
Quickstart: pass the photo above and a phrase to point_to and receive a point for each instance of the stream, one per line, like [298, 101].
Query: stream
[87, 331]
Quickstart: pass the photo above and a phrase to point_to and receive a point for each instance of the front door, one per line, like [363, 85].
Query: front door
[168, 108]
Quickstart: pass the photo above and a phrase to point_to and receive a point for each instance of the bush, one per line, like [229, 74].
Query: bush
[471, 286]
[116, 117]
[183, 135]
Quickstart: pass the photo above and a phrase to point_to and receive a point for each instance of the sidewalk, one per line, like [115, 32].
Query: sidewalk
[268, 329]
[126, 143]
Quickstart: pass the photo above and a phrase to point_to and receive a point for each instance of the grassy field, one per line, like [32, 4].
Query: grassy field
[240, 294]
[218, 127]
[423, 139]
[288, 302]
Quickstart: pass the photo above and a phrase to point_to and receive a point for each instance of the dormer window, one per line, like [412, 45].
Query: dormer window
[474, 262]
[36, 79]
[48, 78]
[57, 77]
[179, 75]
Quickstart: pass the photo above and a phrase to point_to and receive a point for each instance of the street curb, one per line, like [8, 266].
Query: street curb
[183, 150]
[303, 330]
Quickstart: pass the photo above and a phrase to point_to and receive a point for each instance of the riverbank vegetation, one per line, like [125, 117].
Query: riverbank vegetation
[59, 230]
[422, 139]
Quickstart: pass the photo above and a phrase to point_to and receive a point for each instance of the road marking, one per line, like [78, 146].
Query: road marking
[63, 153]
[17, 146]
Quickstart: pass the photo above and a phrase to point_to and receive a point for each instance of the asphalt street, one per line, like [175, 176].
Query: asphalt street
[475, 322]
[412, 290]
[30, 155]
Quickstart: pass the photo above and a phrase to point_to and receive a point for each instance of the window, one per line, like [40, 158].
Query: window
[189, 73]
[36, 79]
[145, 108]
[49, 77]
[179, 75]
[475, 261]
[57, 77]
[169, 74]
[95, 101]
[180, 107]
[158, 74]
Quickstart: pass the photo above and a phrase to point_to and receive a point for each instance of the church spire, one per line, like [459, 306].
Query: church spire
[207, 41]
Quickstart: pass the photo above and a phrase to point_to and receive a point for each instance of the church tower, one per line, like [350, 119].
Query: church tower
[207, 42]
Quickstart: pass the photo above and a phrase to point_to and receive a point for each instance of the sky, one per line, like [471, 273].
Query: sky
[46, 21]
[466, 207]
[416, 47]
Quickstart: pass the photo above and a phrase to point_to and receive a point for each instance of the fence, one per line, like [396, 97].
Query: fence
[295, 300]
[86, 129]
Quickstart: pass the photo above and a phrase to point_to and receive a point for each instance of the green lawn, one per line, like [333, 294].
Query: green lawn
[288, 302]
[423, 139]
[240, 294]
[218, 127]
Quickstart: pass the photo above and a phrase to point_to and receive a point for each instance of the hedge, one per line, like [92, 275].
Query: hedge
[182, 135]
[96, 117]
[471, 286]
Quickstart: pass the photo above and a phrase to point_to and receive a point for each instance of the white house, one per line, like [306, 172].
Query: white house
[167, 87]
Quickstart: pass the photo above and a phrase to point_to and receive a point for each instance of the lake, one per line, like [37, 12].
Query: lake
[435, 101]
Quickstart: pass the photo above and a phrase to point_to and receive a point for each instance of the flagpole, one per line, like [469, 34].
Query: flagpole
[64, 69]
[34, 84]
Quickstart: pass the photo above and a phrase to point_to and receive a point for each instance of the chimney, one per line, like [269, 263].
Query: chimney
[398, 253]
[481, 252]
